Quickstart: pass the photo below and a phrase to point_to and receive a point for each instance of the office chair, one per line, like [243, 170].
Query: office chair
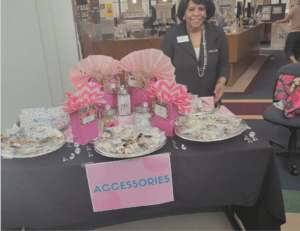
[276, 116]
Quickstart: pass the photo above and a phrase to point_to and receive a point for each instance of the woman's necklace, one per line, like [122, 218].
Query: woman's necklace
[201, 70]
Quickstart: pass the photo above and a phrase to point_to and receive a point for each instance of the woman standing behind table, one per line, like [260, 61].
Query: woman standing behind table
[198, 49]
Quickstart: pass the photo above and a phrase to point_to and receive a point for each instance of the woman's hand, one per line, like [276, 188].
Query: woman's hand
[219, 90]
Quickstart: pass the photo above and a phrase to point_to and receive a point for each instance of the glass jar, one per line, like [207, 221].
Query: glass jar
[124, 102]
[109, 118]
[143, 118]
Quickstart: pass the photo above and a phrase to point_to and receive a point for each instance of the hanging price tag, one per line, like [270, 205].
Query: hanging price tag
[88, 115]
[112, 83]
[160, 109]
[130, 79]
[112, 124]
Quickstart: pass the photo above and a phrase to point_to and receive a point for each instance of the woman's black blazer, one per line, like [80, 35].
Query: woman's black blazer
[184, 58]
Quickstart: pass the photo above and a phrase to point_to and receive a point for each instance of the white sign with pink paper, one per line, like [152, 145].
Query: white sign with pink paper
[130, 183]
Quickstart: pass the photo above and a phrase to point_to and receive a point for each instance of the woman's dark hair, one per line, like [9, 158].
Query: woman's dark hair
[209, 5]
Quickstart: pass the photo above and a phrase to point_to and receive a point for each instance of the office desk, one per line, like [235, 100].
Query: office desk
[120, 48]
[243, 50]
[45, 192]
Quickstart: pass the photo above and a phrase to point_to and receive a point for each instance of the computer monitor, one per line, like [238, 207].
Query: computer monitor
[81, 2]
[239, 10]
[249, 9]
[163, 14]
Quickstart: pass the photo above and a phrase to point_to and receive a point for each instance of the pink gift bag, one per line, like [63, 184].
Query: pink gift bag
[165, 115]
[138, 96]
[84, 125]
[111, 99]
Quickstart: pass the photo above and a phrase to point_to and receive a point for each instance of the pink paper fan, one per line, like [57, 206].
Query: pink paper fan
[149, 60]
[76, 78]
[115, 67]
[98, 62]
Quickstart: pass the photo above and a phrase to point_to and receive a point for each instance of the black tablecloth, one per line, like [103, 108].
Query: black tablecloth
[44, 192]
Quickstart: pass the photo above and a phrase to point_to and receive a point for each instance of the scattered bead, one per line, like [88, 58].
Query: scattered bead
[77, 151]
[252, 135]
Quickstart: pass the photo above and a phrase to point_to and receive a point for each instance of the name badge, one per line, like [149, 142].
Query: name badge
[216, 50]
[182, 39]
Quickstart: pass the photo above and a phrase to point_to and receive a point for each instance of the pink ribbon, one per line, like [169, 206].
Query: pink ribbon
[143, 77]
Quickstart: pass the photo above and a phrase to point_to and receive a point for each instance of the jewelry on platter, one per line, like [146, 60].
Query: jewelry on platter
[209, 127]
[130, 140]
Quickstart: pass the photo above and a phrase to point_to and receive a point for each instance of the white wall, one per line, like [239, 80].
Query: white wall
[38, 44]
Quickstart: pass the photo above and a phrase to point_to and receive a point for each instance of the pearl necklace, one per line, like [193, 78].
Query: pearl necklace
[201, 70]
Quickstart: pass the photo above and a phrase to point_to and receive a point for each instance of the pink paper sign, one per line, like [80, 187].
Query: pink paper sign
[130, 183]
